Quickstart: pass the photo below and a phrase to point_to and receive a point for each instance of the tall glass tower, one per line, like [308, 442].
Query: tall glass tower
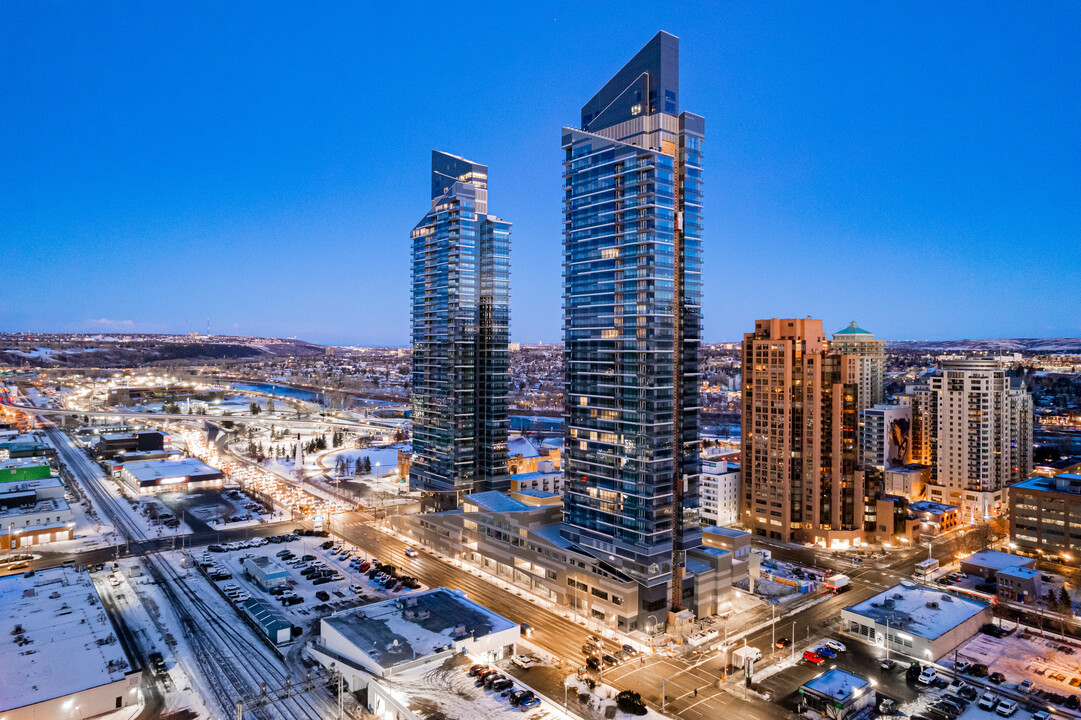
[460, 318]
[632, 325]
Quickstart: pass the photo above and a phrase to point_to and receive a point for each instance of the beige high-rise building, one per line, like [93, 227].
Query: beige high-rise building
[973, 425]
[802, 396]
[865, 358]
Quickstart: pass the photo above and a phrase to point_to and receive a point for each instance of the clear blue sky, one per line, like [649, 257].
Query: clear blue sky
[915, 166]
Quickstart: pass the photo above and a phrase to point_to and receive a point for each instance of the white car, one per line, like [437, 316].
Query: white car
[522, 661]
[956, 687]
[988, 701]
[836, 646]
[1025, 685]
[928, 676]
[410, 552]
[1006, 707]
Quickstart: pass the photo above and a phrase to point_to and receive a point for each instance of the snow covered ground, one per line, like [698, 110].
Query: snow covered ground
[139, 604]
[602, 697]
[1051, 663]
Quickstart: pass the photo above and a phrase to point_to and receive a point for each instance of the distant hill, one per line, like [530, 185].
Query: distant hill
[1027, 346]
[58, 350]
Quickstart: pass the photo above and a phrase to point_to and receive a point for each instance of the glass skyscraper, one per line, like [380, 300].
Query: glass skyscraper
[460, 322]
[632, 325]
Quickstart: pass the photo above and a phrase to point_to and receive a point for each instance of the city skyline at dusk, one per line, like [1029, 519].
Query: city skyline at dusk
[862, 163]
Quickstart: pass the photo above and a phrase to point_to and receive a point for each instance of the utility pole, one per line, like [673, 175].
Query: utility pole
[239, 710]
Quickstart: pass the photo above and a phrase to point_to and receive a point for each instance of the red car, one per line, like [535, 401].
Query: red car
[812, 657]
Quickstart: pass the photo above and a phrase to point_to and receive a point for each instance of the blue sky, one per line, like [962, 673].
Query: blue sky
[915, 166]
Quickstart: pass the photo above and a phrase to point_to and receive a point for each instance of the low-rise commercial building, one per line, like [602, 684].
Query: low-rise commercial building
[986, 563]
[110, 445]
[41, 489]
[1045, 516]
[27, 468]
[1019, 584]
[516, 537]
[916, 621]
[60, 649]
[390, 637]
[150, 476]
[935, 518]
[38, 523]
[837, 693]
[907, 481]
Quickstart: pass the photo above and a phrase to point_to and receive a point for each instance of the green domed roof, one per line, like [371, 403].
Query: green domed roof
[852, 329]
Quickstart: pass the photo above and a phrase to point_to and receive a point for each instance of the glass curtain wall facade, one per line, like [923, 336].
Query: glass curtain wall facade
[460, 323]
[632, 325]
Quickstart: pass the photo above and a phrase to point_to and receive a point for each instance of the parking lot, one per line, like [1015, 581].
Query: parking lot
[309, 581]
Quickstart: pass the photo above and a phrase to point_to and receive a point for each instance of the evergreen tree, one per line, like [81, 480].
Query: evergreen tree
[1051, 601]
[270, 405]
[1064, 601]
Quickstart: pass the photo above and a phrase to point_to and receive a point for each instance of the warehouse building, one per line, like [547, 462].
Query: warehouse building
[390, 637]
[36, 523]
[110, 445]
[270, 623]
[75, 668]
[916, 621]
[27, 468]
[48, 487]
[150, 476]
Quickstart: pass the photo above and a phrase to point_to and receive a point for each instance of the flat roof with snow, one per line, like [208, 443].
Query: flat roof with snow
[495, 501]
[409, 628]
[997, 560]
[1021, 573]
[906, 609]
[153, 471]
[837, 684]
[67, 643]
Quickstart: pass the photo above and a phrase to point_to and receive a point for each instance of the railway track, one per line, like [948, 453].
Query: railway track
[232, 665]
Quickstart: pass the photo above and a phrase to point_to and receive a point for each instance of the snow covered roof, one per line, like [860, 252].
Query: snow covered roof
[518, 445]
[152, 470]
[551, 534]
[66, 643]
[409, 628]
[837, 684]
[1023, 573]
[918, 610]
[19, 463]
[495, 501]
[536, 493]
[996, 560]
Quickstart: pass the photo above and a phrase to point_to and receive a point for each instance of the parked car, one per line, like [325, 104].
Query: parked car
[928, 676]
[323, 595]
[887, 664]
[836, 645]
[978, 670]
[913, 671]
[1006, 707]
[782, 643]
[518, 697]
[956, 687]
[522, 661]
[969, 693]
[1041, 715]
[826, 652]
[500, 685]
[988, 701]
[997, 678]
[477, 670]
[962, 666]
[812, 657]
[531, 701]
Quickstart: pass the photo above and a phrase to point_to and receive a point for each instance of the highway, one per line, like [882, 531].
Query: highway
[276, 420]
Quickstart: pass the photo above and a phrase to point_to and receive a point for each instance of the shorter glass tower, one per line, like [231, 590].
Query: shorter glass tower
[460, 322]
